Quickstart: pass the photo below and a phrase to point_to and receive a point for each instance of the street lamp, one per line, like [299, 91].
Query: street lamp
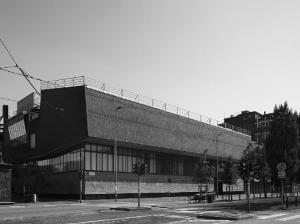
[116, 155]
[217, 168]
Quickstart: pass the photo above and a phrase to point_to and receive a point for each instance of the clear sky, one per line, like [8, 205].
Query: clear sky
[212, 57]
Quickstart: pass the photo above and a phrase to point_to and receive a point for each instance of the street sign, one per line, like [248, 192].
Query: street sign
[281, 166]
[281, 174]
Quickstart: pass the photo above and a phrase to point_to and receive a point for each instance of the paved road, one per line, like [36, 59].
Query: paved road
[163, 211]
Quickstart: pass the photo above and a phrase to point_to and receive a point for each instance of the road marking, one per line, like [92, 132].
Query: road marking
[193, 210]
[271, 216]
[17, 206]
[214, 221]
[115, 219]
[289, 218]
[87, 213]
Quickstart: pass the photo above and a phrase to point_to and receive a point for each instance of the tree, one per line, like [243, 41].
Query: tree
[202, 169]
[282, 143]
[230, 173]
[253, 165]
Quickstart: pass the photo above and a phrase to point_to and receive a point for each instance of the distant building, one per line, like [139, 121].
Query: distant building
[258, 124]
[75, 128]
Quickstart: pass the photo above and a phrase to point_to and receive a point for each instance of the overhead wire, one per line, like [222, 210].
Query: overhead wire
[3, 98]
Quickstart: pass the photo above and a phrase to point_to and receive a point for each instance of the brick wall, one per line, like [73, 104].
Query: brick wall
[103, 183]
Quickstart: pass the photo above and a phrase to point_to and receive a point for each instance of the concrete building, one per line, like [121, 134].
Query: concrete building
[75, 128]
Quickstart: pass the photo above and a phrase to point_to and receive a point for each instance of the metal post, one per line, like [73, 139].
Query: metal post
[217, 168]
[80, 186]
[81, 175]
[139, 191]
[116, 171]
[116, 156]
[282, 194]
[248, 194]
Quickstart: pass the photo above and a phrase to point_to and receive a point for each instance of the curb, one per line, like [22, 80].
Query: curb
[225, 216]
[131, 208]
[7, 203]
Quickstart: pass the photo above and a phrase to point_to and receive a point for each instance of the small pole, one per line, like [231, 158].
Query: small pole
[139, 192]
[80, 187]
[24, 193]
[282, 194]
[248, 194]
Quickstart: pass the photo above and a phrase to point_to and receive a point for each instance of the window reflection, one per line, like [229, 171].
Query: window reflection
[101, 158]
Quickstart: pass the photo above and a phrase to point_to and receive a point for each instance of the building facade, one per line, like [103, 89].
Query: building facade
[76, 128]
[258, 124]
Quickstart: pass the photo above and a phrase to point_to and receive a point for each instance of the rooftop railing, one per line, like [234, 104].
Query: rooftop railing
[125, 94]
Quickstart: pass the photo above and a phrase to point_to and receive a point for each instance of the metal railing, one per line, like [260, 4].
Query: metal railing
[138, 98]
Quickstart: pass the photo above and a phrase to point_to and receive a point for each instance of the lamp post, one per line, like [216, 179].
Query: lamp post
[116, 154]
[217, 168]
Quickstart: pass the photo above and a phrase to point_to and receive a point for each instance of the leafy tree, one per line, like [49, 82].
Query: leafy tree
[282, 143]
[247, 163]
[230, 173]
[254, 165]
[202, 169]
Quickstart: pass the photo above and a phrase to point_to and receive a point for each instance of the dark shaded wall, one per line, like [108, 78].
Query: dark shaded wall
[62, 120]
[5, 182]
[140, 124]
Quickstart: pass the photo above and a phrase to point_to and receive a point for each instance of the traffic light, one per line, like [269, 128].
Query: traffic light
[140, 169]
[134, 168]
[243, 166]
[81, 174]
[146, 168]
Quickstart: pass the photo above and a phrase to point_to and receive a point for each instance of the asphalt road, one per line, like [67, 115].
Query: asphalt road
[171, 212]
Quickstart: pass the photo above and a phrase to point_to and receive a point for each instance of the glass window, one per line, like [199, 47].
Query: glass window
[99, 161]
[124, 169]
[93, 147]
[88, 147]
[32, 141]
[76, 163]
[66, 161]
[152, 165]
[134, 160]
[120, 163]
[87, 160]
[129, 164]
[110, 162]
[70, 161]
[81, 156]
[93, 161]
[104, 162]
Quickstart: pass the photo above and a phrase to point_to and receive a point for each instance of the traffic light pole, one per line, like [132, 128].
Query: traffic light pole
[80, 187]
[139, 191]
[282, 194]
[248, 194]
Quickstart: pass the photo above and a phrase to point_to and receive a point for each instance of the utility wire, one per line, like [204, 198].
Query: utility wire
[3, 98]
[21, 70]
[10, 55]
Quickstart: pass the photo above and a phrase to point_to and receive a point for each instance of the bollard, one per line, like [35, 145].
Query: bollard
[287, 202]
[34, 198]
[296, 201]
[239, 197]
[259, 195]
